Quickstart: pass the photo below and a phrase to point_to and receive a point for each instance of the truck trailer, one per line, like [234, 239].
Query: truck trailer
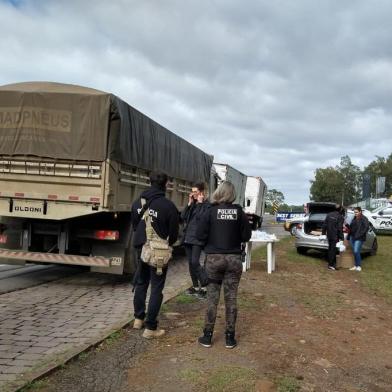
[255, 193]
[238, 179]
[72, 161]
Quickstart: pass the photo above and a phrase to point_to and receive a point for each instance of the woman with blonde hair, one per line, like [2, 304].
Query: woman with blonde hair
[223, 229]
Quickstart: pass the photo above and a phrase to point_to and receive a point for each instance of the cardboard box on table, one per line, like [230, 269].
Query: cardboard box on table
[346, 258]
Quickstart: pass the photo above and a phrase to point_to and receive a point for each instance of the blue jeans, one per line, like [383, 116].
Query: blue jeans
[356, 246]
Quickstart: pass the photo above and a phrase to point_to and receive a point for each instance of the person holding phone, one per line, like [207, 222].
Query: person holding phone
[197, 205]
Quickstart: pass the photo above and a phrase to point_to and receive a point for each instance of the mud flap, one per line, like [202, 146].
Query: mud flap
[114, 252]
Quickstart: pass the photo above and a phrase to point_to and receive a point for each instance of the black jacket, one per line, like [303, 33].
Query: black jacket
[165, 217]
[358, 228]
[191, 216]
[223, 228]
[333, 226]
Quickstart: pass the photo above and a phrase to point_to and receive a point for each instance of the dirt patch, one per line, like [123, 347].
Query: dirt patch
[303, 328]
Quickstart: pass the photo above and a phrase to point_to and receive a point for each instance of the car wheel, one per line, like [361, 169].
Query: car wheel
[301, 250]
[293, 229]
[373, 252]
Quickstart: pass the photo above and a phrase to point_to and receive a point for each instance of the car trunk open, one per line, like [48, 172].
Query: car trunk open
[314, 226]
[317, 215]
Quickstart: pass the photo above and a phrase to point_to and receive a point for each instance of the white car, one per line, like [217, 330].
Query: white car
[308, 235]
[380, 218]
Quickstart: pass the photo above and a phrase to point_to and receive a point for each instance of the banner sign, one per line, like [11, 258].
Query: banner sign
[283, 216]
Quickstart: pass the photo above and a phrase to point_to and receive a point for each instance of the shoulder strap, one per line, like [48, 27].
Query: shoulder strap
[144, 205]
[147, 219]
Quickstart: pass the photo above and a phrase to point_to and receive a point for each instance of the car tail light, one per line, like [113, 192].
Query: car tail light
[3, 238]
[111, 235]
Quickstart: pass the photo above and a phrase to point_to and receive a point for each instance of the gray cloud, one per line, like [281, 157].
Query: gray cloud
[276, 89]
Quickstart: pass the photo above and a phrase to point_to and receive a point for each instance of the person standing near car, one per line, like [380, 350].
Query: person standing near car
[357, 236]
[165, 222]
[333, 228]
[196, 207]
[223, 228]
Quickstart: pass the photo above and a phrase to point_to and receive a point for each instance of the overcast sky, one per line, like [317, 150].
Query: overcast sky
[274, 88]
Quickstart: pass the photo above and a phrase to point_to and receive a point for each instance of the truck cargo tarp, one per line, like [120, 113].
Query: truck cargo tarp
[60, 121]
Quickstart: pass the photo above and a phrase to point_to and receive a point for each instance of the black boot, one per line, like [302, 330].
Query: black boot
[205, 340]
[230, 340]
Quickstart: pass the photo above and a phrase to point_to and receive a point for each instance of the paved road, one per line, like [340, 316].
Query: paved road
[17, 277]
[270, 226]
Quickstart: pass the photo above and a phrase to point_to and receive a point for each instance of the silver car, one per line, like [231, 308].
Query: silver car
[307, 235]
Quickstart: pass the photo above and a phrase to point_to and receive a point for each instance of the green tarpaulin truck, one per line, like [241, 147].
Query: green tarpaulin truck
[72, 161]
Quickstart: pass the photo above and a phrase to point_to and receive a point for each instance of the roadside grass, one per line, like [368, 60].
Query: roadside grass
[247, 303]
[259, 254]
[191, 375]
[185, 299]
[199, 323]
[323, 306]
[287, 384]
[113, 337]
[231, 379]
[377, 270]
[165, 308]
[84, 355]
[222, 379]
[34, 386]
[376, 274]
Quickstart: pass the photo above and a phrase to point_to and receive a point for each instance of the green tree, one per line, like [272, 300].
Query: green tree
[352, 181]
[339, 184]
[274, 195]
[380, 167]
[328, 185]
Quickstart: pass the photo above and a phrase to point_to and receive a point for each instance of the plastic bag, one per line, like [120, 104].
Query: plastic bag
[340, 245]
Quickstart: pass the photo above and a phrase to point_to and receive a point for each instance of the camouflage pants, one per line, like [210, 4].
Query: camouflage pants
[226, 269]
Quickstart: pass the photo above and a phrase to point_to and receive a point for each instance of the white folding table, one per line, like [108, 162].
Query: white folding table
[270, 253]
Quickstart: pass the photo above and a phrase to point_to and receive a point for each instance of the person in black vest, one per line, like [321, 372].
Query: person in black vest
[165, 221]
[223, 229]
[357, 235]
[333, 227]
[191, 215]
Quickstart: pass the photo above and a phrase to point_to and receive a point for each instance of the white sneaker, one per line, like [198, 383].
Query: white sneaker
[353, 268]
[359, 269]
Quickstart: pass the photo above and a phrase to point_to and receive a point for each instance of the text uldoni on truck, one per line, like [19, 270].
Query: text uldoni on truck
[72, 160]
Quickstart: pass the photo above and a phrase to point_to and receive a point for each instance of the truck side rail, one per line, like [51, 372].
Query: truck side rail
[51, 168]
